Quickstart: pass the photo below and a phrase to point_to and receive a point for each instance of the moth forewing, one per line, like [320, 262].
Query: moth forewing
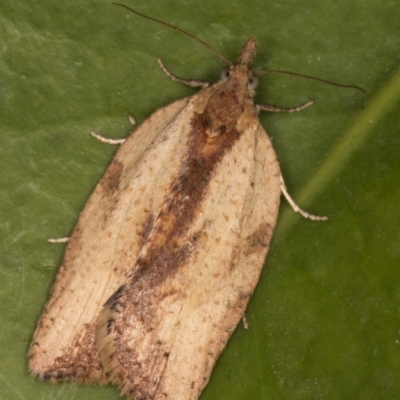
[103, 248]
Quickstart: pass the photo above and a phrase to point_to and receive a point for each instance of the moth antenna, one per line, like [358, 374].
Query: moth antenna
[176, 29]
[276, 71]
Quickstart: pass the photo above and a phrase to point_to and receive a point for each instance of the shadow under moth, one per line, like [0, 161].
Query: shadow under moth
[166, 254]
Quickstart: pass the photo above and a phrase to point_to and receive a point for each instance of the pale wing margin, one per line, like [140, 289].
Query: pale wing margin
[170, 343]
[104, 246]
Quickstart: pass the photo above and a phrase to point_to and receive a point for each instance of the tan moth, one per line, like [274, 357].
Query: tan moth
[168, 250]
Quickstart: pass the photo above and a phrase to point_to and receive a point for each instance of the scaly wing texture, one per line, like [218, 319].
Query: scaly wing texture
[160, 334]
[104, 247]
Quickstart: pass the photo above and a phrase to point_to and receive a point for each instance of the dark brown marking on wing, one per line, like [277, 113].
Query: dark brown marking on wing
[79, 361]
[166, 249]
[113, 300]
[110, 186]
[111, 178]
[168, 246]
[261, 237]
[146, 229]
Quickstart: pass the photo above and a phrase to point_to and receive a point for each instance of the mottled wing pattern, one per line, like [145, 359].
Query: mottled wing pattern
[162, 331]
[104, 247]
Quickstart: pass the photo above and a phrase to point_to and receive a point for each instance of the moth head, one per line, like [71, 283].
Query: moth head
[252, 80]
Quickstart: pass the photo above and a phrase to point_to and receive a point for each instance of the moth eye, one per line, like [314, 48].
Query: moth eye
[252, 83]
[225, 74]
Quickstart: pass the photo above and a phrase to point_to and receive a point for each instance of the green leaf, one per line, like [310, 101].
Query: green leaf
[324, 320]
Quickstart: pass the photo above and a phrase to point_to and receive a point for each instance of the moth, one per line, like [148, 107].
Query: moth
[168, 249]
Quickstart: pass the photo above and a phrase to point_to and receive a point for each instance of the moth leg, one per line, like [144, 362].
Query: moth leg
[103, 139]
[58, 240]
[296, 208]
[271, 108]
[131, 119]
[107, 140]
[245, 322]
[189, 82]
